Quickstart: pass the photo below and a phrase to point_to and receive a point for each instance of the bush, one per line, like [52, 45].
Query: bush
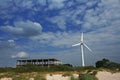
[33, 68]
[79, 68]
[62, 68]
[40, 77]
[73, 78]
[105, 63]
[88, 77]
[67, 74]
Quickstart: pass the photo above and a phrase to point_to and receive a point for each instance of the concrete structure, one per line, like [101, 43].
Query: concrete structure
[38, 62]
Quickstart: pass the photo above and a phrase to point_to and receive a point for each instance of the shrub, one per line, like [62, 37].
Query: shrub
[67, 74]
[88, 77]
[105, 63]
[40, 77]
[73, 78]
[79, 68]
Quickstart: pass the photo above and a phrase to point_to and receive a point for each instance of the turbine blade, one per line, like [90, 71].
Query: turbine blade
[82, 37]
[87, 47]
[76, 44]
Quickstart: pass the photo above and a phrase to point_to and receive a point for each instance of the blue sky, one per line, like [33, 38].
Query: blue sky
[48, 28]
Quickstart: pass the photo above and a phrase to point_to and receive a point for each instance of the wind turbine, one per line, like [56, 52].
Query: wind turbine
[82, 44]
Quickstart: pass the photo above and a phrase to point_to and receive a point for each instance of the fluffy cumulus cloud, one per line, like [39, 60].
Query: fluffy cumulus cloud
[20, 55]
[21, 28]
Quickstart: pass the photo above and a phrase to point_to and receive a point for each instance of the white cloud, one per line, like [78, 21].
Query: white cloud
[59, 39]
[93, 18]
[7, 44]
[82, 1]
[42, 2]
[106, 13]
[21, 28]
[4, 3]
[56, 4]
[20, 55]
[59, 21]
[67, 16]
[25, 4]
[11, 43]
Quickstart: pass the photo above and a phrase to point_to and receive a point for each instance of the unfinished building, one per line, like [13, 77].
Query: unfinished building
[38, 62]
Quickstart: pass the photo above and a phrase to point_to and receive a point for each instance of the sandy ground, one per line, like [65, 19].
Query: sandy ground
[57, 77]
[48, 77]
[104, 75]
[6, 79]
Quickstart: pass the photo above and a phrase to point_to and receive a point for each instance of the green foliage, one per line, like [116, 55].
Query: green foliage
[73, 78]
[61, 68]
[88, 77]
[79, 68]
[102, 63]
[21, 78]
[70, 65]
[33, 68]
[67, 74]
[92, 72]
[40, 77]
[105, 63]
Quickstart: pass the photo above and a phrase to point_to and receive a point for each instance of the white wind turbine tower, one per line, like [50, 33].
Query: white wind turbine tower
[82, 44]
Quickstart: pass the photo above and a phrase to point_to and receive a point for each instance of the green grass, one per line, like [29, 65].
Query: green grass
[40, 77]
[70, 75]
[23, 76]
[73, 78]
[88, 77]
[67, 74]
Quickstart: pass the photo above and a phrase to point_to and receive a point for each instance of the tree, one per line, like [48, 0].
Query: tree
[102, 63]
[105, 63]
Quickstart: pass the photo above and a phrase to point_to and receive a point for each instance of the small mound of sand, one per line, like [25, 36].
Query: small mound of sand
[104, 75]
[60, 77]
[57, 77]
[6, 79]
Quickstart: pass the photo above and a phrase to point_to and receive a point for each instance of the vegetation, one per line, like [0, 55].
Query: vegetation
[67, 74]
[70, 75]
[40, 77]
[73, 78]
[105, 63]
[80, 68]
[88, 77]
[24, 76]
